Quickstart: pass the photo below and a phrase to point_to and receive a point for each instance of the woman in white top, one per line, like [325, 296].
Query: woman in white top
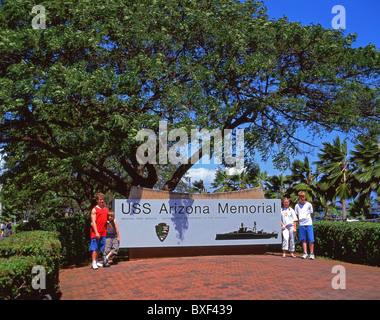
[289, 228]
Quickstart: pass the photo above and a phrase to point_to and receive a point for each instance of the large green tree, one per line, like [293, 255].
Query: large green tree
[78, 91]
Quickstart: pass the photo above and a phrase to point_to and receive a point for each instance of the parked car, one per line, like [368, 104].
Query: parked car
[372, 215]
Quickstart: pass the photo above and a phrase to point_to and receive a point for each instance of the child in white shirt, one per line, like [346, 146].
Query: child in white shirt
[289, 228]
[304, 211]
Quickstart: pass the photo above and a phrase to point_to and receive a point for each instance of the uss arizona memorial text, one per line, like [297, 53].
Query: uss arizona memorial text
[182, 208]
[193, 222]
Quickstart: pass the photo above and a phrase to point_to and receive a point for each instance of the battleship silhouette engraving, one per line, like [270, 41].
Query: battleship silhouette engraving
[246, 233]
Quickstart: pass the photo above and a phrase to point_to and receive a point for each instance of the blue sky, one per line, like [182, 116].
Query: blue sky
[361, 17]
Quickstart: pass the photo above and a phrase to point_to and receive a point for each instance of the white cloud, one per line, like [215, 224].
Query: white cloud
[207, 175]
[234, 171]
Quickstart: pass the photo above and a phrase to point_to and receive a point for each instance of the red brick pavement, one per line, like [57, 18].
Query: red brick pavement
[242, 277]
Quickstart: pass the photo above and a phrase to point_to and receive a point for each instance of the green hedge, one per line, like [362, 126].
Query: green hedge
[74, 235]
[19, 254]
[357, 242]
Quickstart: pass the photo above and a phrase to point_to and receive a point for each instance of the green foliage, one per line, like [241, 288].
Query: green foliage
[366, 166]
[357, 242]
[16, 276]
[302, 178]
[198, 187]
[73, 96]
[19, 254]
[334, 165]
[338, 177]
[32, 243]
[74, 235]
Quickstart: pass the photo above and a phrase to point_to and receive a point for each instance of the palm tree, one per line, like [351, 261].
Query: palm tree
[240, 181]
[334, 167]
[366, 167]
[250, 177]
[222, 182]
[198, 187]
[327, 196]
[277, 186]
[302, 179]
[262, 179]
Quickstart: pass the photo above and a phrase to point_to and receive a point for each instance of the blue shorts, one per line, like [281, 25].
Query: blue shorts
[98, 244]
[306, 233]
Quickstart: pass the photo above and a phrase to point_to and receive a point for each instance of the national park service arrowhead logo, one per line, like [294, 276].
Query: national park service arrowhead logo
[162, 230]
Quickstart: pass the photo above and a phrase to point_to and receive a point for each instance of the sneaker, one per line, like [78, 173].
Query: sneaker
[99, 264]
[304, 256]
[292, 255]
[94, 265]
[284, 255]
[312, 257]
[105, 263]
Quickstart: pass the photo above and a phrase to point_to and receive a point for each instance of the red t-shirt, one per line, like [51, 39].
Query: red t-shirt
[101, 222]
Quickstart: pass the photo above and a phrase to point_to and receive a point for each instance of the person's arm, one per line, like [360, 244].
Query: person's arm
[117, 231]
[296, 212]
[295, 219]
[282, 224]
[311, 211]
[93, 223]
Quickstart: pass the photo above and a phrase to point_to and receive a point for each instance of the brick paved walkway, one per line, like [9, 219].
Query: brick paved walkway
[247, 277]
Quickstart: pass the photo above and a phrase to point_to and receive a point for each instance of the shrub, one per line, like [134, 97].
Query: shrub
[19, 254]
[357, 242]
[74, 235]
[15, 275]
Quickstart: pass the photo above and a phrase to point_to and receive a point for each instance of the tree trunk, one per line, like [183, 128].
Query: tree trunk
[344, 215]
[327, 214]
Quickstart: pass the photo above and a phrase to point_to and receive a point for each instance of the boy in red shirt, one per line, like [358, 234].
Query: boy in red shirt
[98, 229]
